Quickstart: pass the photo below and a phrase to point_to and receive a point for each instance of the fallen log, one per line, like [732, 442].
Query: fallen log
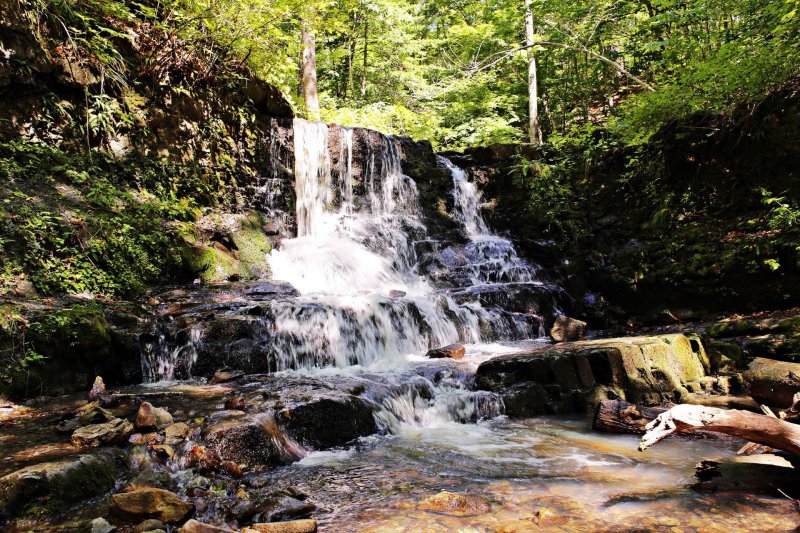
[752, 427]
[616, 416]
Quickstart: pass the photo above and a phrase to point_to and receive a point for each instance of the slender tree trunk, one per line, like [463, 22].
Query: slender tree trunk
[366, 54]
[308, 73]
[535, 129]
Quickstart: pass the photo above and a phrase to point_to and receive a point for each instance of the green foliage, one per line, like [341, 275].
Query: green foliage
[783, 213]
[69, 224]
[17, 356]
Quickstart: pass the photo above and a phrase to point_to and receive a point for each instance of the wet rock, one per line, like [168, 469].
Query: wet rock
[193, 526]
[117, 430]
[151, 418]
[284, 508]
[748, 474]
[453, 503]
[772, 382]
[236, 403]
[294, 526]
[150, 524]
[452, 351]
[224, 376]
[576, 376]
[176, 433]
[163, 451]
[91, 413]
[101, 525]
[567, 329]
[328, 422]
[244, 442]
[149, 502]
[54, 486]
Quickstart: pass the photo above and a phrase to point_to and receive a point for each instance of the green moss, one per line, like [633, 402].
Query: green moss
[726, 356]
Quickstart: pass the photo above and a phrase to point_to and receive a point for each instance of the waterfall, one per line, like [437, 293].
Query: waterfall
[312, 169]
[362, 298]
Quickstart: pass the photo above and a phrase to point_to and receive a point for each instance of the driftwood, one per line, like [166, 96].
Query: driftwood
[615, 416]
[760, 429]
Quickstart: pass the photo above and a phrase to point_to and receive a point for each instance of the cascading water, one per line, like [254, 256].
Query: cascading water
[362, 298]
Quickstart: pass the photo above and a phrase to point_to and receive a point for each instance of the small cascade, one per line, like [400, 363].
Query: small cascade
[164, 360]
[467, 201]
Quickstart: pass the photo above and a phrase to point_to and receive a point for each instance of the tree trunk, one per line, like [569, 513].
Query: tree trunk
[364, 66]
[752, 427]
[534, 128]
[308, 70]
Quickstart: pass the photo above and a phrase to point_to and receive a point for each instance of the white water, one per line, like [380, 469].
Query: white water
[354, 262]
[347, 262]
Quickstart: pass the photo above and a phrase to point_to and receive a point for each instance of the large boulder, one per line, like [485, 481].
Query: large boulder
[55, 486]
[329, 421]
[576, 376]
[249, 441]
[773, 382]
[150, 502]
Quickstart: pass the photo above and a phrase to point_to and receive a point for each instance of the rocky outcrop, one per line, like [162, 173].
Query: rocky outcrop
[51, 487]
[576, 376]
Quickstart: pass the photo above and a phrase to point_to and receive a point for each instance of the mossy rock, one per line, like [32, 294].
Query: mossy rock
[643, 370]
[726, 356]
[243, 256]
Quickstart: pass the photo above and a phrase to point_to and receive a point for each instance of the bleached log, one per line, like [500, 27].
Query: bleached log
[745, 425]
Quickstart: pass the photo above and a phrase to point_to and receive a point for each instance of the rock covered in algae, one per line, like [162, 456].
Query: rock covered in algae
[576, 376]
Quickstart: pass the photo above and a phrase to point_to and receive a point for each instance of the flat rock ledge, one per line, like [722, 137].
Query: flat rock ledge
[576, 376]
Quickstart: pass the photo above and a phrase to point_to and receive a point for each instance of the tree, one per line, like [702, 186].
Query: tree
[535, 130]
[308, 72]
